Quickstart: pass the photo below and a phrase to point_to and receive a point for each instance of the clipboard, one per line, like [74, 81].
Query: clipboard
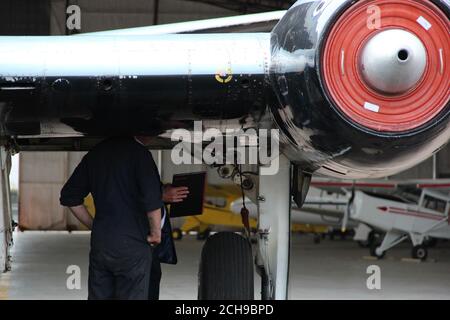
[193, 204]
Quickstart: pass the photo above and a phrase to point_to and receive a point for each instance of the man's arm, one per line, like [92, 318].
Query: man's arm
[74, 192]
[83, 215]
[154, 219]
[150, 194]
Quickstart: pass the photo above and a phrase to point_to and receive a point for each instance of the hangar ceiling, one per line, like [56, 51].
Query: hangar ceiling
[250, 6]
[21, 17]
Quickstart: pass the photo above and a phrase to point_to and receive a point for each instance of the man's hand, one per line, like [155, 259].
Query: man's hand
[154, 238]
[154, 219]
[174, 194]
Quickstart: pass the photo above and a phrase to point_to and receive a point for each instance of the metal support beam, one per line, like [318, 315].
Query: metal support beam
[155, 12]
[274, 211]
[5, 207]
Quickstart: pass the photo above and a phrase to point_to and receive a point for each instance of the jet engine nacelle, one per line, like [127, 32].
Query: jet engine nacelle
[362, 87]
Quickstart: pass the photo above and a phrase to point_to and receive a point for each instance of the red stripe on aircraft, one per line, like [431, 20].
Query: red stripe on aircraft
[349, 184]
[412, 213]
[433, 185]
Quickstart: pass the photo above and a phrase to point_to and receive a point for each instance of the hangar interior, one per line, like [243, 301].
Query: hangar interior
[324, 264]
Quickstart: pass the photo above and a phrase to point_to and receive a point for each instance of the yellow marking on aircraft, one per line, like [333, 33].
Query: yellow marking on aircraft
[224, 77]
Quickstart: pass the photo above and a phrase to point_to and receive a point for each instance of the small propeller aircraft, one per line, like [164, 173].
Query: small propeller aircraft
[401, 219]
[414, 209]
[355, 89]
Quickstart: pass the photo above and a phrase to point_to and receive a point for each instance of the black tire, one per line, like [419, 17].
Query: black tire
[203, 235]
[420, 252]
[371, 238]
[317, 238]
[177, 234]
[226, 268]
[430, 242]
[373, 251]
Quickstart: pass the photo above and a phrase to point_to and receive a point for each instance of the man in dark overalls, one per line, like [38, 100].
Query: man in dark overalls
[124, 182]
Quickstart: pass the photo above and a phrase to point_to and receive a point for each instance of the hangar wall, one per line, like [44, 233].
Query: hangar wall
[116, 14]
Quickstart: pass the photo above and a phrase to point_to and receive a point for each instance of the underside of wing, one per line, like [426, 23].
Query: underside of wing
[322, 212]
[258, 22]
[341, 186]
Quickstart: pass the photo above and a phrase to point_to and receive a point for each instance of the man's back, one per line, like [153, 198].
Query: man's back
[124, 182]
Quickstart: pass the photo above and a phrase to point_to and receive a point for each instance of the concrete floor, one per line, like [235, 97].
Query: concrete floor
[330, 270]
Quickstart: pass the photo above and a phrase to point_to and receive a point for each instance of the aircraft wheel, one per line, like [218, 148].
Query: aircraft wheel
[420, 252]
[203, 235]
[177, 234]
[371, 238]
[226, 268]
[317, 238]
[375, 251]
[430, 242]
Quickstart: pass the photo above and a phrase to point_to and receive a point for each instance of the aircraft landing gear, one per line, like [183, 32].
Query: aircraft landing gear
[226, 266]
[420, 252]
[177, 234]
[203, 235]
[372, 239]
[391, 239]
[375, 251]
[316, 238]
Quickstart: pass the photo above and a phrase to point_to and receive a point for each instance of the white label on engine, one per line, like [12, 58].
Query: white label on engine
[424, 23]
[371, 107]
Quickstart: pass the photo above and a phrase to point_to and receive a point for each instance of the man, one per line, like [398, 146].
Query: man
[124, 182]
[165, 251]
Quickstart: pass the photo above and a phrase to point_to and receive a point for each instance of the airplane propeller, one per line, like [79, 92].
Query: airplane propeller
[347, 210]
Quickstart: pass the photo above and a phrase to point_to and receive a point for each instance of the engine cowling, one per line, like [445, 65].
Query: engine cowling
[362, 88]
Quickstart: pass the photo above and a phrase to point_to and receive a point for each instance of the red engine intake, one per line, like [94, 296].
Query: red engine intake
[386, 65]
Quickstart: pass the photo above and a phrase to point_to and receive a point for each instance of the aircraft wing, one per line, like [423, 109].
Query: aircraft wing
[322, 212]
[338, 186]
[258, 22]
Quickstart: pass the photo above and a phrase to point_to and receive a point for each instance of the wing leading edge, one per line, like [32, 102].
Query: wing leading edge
[258, 22]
